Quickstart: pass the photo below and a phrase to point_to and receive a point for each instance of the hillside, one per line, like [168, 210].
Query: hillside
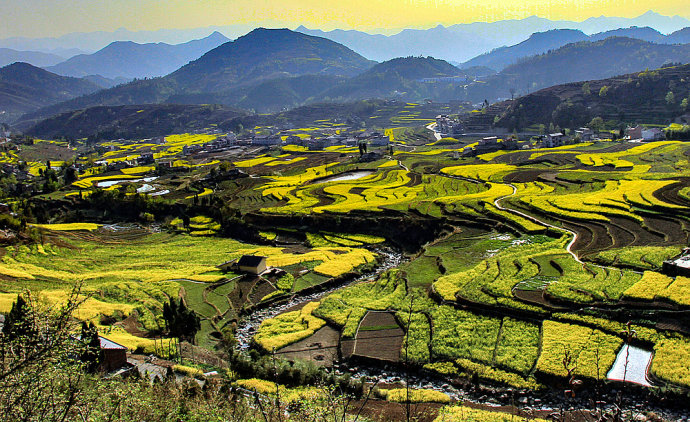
[412, 78]
[35, 58]
[636, 97]
[135, 121]
[143, 91]
[578, 62]
[682, 36]
[639, 33]
[130, 60]
[267, 96]
[24, 88]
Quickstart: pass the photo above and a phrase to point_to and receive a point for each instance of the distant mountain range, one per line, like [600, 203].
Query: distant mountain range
[230, 71]
[24, 88]
[127, 59]
[462, 42]
[271, 70]
[541, 42]
[472, 39]
[69, 45]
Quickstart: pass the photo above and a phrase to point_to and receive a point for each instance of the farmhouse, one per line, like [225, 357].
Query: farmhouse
[252, 264]
[114, 355]
[266, 140]
[634, 132]
[553, 140]
[586, 134]
[678, 265]
[652, 134]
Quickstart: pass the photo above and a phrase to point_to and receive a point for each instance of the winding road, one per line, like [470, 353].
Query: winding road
[568, 248]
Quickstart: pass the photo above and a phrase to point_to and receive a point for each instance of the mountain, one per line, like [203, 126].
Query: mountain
[104, 82]
[537, 43]
[134, 121]
[267, 96]
[142, 91]
[438, 42]
[682, 36]
[462, 42]
[127, 59]
[411, 78]
[577, 62]
[267, 54]
[663, 24]
[644, 33]
[89, 42]
[230, 70]
[632, 98]
[36, 58]
[542, 42]
[24, 88]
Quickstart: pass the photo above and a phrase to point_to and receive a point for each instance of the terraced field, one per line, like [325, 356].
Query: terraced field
[627, 211]
[526, 267]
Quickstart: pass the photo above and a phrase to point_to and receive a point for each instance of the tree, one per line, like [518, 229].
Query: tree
[597, 124]
[603, 91]
[181, 322]
[670, 98]
[70, 175]
[18, 322]
[684, 104]
[42, 380]
[586, 89]
[92, 356]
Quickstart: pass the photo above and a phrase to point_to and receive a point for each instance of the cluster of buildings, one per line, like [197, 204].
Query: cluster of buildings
[313, 143]
[447, 126]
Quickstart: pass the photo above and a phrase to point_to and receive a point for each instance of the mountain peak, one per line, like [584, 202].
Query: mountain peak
[650, 13]
[216, 35]
[267, 54]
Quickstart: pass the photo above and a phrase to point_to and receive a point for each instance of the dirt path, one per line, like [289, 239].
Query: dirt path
[568, 248]
[432, 127]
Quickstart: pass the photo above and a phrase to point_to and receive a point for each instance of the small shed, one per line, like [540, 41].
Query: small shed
[252, 264]
[114, 355]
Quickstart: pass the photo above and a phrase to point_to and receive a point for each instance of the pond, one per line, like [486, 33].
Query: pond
[351, 175]
[146, 188]
[635, 371]
[109, 183]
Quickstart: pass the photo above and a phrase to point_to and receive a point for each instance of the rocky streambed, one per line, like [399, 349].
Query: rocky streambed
[250, 323]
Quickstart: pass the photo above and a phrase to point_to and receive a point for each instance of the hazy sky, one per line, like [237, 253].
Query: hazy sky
[39, 18]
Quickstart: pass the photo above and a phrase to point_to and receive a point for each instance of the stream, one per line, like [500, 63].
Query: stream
[248, 326]
[391, 374]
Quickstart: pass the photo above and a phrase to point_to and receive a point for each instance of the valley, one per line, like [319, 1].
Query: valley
[278, 227]
[468, 268]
